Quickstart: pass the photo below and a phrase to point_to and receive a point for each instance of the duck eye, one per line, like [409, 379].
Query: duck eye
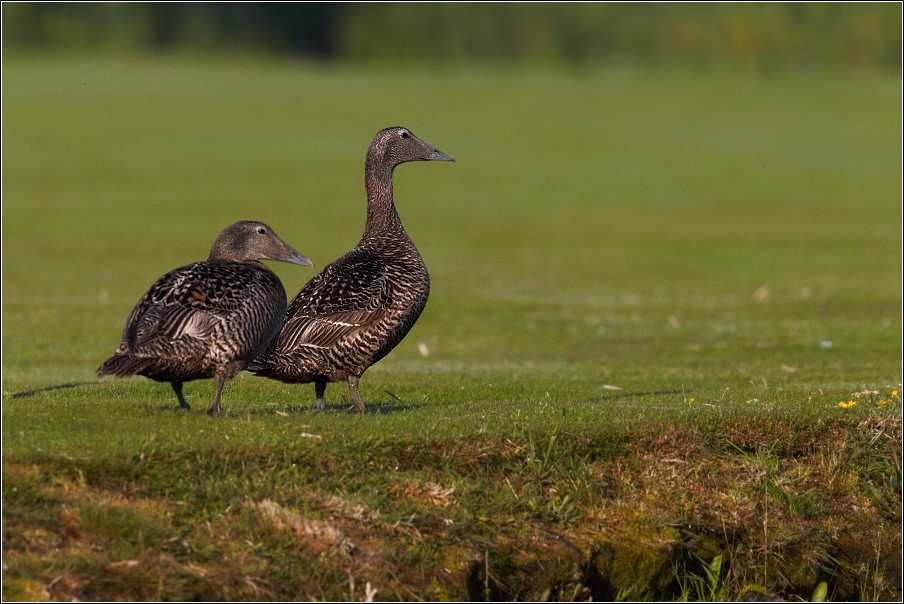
[404, 135]
[261, 230]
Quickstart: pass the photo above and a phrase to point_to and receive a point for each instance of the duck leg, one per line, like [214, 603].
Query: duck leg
[215, 409]
[177, 386]
[358, 404]
[320, 390]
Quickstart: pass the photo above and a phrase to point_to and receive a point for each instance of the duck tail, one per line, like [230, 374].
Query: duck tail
[122, 365]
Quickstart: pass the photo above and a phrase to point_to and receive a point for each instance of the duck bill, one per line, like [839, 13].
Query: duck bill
[437, 155]
[295, 258]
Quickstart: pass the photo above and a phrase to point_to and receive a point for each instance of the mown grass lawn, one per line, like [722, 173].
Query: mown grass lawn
[650, 293]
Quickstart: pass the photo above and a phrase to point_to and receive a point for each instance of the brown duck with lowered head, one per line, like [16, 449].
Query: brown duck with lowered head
[360, 307]
[208, 319]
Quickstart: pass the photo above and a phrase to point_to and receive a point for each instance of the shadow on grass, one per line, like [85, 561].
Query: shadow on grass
[617, 395]
[384, 409]
[28, 393]
[369, 408]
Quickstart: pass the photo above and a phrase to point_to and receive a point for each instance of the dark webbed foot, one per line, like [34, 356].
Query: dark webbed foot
[183, 404]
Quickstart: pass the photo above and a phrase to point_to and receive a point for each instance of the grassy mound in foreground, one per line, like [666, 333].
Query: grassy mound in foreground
[293, 505]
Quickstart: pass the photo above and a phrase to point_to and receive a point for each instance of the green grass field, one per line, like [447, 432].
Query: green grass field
[650, 291]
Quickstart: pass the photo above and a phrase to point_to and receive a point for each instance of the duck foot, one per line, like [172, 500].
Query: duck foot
[358, 404]
[215, 409]
[177, 387]
[320, 390]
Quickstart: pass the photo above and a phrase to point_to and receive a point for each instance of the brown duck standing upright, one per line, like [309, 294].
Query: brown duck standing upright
[208, 319]
[360, 307]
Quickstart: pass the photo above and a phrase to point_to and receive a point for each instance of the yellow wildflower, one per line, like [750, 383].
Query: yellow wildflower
[847, 405]
[883, 402]
[894, 393]
[691, 400]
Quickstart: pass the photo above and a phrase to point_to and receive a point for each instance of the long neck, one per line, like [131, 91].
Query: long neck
[382, 217]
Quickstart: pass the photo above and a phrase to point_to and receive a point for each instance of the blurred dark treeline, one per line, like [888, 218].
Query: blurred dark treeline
[765, 36]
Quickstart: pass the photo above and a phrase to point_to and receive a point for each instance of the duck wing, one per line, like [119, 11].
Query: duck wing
[350, 295]
[189, 302]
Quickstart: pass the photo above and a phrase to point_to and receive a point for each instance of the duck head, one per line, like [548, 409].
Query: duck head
[249, 240]
[397, 145]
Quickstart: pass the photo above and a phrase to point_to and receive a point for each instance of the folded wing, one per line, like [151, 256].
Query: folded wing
[336, 304]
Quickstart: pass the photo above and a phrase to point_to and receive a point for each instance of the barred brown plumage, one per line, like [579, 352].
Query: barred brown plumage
[360, 307]
[208, 319]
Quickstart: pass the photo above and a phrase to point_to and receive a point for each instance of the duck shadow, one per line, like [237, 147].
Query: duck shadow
[389, 408]
[369, 408]
[618, 395]
[28, 393]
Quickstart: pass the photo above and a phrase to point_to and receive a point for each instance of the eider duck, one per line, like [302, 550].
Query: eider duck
[360, 307]
[208, 319]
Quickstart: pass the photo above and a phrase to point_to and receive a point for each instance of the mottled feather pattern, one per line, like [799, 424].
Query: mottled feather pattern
[208, 319]
[362, 305]
[349, 316]
[203, 316]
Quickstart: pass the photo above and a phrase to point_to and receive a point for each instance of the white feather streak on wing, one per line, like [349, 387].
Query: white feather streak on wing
[335, 304]
[325, 331]
[179, 322]
[143, 322]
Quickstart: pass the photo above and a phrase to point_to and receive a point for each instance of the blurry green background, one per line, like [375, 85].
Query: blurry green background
[699, 205]
[765, 36]
[650, 195]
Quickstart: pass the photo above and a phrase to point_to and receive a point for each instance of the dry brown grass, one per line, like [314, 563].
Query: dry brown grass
[783, 519]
